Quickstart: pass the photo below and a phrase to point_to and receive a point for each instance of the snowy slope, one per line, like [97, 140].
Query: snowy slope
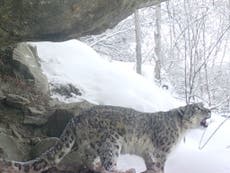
[104, 82]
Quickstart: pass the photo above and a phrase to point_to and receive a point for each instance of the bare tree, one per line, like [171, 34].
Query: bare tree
[199, 43]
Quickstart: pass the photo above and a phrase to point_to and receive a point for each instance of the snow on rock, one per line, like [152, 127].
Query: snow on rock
[102, 81]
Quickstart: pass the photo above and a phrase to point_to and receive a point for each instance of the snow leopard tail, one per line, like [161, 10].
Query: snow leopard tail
[48, 159]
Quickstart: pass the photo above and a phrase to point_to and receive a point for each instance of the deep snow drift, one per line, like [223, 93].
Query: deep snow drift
[105, 82]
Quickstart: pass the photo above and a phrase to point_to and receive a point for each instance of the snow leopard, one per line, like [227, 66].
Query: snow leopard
[105, 132]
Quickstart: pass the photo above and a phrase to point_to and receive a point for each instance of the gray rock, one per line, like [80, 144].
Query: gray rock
[61, 116]
[27, 65]
[76, 108]
[42, 146]
[10, 148]
[2, 96]
[33, 111]
[34, 120]
[33, 116]
[57, 122]
[36, 20]
[16, 101]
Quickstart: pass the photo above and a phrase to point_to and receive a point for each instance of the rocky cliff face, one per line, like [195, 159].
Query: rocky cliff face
[29, 118]
[58, 20]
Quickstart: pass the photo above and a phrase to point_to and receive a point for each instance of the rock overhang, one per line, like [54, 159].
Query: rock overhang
[60, 20]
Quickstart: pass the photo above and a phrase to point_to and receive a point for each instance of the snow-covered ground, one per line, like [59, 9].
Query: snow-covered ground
[115, 83]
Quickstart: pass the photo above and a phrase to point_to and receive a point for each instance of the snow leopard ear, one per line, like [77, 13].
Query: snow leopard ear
[188, 111]
[198, 106]
[181, 111]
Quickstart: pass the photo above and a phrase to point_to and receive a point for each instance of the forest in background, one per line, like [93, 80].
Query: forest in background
[185, 41]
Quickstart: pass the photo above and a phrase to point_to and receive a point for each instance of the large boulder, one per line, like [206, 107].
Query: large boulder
[20, 70]
[27, 66]
[58, 20]
[10, 148]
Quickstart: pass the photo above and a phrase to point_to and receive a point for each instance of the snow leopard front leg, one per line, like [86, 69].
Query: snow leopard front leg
[154, 161]
[109, 151]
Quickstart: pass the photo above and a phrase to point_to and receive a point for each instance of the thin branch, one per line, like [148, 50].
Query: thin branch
[212, 49]
[201, 146]
[116, 33]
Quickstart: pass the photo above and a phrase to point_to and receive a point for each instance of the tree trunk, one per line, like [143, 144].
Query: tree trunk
[157, 37]
[138, 42]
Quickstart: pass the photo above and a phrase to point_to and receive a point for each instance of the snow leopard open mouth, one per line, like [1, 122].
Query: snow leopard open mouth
[204, 122]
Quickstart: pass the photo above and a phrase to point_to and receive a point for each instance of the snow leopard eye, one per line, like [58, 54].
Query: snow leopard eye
[199, 107]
